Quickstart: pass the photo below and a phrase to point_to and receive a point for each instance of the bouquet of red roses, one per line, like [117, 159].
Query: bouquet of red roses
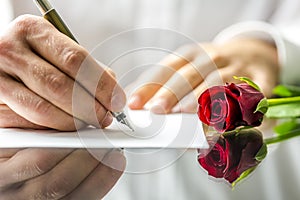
[232, 110]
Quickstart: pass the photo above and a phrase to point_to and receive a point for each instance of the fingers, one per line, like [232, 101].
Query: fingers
[230, 59]
[266, 83]
[142, 95]
[50, 75]
[6, 154]
[189, 103]
[187, 72]
[71, 59]
[10, 119]
[29, 163]
[62, 179]
[60, 90]
[65, 175]
[183, 82]
[158, 76]
[34, 108]
[110, 170]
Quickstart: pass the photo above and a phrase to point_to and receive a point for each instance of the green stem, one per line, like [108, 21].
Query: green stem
[279, 101]
[283, 137]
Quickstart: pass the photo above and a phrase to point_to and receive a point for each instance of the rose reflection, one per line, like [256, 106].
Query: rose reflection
[233, 154]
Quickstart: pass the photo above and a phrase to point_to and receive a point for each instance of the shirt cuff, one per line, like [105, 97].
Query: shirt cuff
[267, 32]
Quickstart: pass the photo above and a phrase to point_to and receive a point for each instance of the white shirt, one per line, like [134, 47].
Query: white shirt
[97, 22]
[93, 21]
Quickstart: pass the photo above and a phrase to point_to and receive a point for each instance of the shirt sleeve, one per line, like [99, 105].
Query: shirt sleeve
[281, 30]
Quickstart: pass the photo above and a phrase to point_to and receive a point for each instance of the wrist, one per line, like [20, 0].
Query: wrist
[259, 31]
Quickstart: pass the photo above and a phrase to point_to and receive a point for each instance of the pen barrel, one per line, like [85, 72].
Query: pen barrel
[53, 17]
[43, 5]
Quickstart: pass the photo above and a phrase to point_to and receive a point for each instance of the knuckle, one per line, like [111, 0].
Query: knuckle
[58, 85]
[24, 23]
[190, 74]
[40, 164]
[73, 58]
[218, 59]
[5, 47]
[33, 167]
[37, 106]
[42, 107]
[57, 188]
[55, 83]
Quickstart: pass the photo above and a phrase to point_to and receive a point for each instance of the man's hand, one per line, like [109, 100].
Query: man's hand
[183, 75]
[38, 71]
[58, 173]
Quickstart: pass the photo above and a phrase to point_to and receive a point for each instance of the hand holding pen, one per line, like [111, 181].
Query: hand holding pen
[53, 17]
[38, 68]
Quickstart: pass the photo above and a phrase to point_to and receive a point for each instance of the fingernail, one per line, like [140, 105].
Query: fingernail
[159, 106]
[134, 102]
[107, 120]
[118, 102]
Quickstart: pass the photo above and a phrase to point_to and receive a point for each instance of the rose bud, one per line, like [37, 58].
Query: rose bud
[233, 154]
[228, 107]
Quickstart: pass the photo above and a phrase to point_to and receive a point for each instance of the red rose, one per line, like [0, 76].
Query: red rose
[232, 154]
[227, 107]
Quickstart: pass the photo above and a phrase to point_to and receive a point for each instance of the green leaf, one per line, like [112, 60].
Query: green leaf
[287, 127]
[291, 110]
[262, 106]
[248, 81]
[243, 176]
[262, 153]
[286, 90]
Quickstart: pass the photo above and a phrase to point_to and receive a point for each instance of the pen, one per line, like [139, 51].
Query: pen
[53, 17]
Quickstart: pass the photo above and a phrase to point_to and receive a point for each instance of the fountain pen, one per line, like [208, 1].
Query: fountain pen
[53, 17]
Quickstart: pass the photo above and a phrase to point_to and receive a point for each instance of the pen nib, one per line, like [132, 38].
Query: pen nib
[121, 117]
[126, 122]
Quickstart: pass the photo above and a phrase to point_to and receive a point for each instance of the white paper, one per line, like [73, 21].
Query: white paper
[151, 131]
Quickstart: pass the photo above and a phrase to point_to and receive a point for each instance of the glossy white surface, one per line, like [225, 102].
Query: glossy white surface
[151, 131]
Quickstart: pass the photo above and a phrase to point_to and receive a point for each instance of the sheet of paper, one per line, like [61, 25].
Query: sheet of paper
[151, 131]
